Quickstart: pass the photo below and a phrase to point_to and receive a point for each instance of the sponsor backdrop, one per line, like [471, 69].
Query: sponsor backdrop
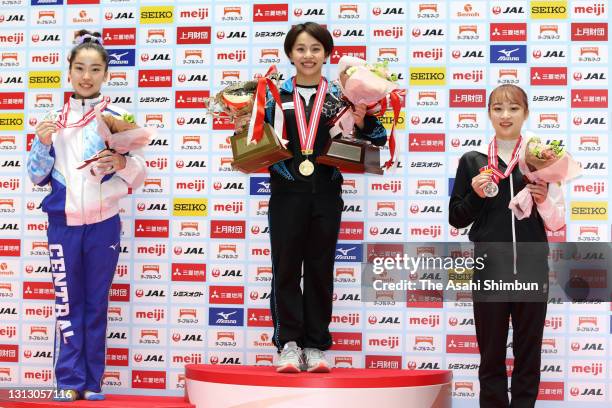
[193, 281]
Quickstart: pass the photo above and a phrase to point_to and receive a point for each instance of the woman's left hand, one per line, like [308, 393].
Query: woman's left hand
[359, 113]
[110, 162]
[538, 191]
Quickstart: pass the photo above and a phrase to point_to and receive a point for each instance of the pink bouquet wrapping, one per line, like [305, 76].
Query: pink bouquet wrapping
[121, 135]
[549, 163]
[370, 84]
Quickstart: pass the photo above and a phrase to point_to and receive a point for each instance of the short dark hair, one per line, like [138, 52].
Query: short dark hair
[93, 40]
[319, 32]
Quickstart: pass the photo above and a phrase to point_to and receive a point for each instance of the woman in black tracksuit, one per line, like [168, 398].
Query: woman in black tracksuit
[512, 249]
[306, 205]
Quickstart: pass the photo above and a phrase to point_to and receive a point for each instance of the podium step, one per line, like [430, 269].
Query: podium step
[250, 386]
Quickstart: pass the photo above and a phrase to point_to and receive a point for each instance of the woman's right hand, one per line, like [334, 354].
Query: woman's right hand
[479, 181]
[44, 130]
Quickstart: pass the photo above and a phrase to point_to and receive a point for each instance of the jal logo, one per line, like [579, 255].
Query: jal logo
[428, 366]
[349, 33]
[231, 35]
[537, 54]
[156, 57]
[430, 32]
[456, 54]
[349, 297]
[352, 209]
[117, 336]
[193, 78]
[46, 38]
[11, 80]
[497, 10]
[12, 18]
[122, 100]
[594, 76]
[389, 11]
[120, 15]
[228, 186]
[298, 12]
[230, 361]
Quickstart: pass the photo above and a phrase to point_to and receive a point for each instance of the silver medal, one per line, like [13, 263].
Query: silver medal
[490, 189]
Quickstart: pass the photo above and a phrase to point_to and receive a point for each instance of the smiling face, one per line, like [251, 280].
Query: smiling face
[508, 111]
[87, 73]
[507, 118]
[308, 56]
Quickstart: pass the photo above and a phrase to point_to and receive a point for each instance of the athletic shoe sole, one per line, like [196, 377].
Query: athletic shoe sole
[288, 369]
[319, 368]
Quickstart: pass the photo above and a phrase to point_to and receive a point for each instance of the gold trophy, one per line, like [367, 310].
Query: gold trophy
[237, 102]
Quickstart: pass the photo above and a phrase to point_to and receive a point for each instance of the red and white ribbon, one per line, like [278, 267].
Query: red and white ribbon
[493, 161]
[308, 132]
[256, 124]
[88, 117]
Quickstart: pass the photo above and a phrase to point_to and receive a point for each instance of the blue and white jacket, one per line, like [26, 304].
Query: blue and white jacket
[76, 198]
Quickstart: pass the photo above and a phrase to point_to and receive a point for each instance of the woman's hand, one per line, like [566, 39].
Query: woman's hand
[110, 162]
[539, 191]
[359, 113]
[479, 182]
[44, 130]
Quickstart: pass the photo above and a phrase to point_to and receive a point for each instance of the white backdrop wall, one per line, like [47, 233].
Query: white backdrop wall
[193, 279]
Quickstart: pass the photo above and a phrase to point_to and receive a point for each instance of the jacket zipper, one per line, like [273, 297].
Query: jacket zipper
[82, 178]
[513, 228]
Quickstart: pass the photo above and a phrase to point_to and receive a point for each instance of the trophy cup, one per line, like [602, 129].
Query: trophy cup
[237, 101]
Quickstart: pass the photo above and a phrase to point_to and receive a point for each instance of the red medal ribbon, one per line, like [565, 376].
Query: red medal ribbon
[308, 132]
[493, 161]
[88, 117]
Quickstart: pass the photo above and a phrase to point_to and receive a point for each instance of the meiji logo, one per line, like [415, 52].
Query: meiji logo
[434, 54]
[392, 186]
[394, 32]
[198, 14]
[235, 56]
[593, 369]
[593, 9]
[389, 342]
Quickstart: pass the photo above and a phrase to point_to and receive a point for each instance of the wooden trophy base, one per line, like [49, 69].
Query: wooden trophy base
[352, 155]
[256, 156]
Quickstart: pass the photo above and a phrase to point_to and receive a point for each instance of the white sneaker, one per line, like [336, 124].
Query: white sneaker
[290, 359]
[315, 361]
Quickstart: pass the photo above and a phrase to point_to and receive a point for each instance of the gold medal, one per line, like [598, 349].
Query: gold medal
[306, 168]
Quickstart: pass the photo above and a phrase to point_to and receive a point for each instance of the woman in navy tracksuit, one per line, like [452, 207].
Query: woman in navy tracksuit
[306, 205]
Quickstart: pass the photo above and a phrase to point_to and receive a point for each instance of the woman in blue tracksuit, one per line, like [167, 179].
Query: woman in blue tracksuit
[84, 226]
[306, 204]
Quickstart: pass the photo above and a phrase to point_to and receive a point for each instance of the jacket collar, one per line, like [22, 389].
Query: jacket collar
[484, 149]
[78, 104]
[287, 86]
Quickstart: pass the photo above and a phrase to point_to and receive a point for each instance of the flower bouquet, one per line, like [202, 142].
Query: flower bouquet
[550, 163]
[119, 134]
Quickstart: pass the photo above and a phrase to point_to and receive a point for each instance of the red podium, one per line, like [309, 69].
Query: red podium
[256, 386]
